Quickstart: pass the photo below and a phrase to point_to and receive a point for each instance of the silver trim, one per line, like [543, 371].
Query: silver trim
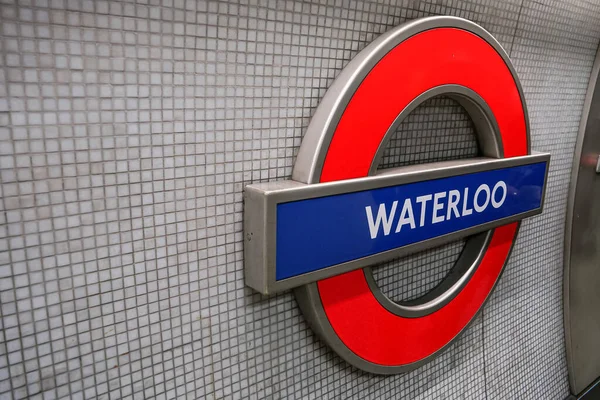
[286, 191]
[260, 221]
[582, 370]
[486, 126]
[490, 143]
[442, 294]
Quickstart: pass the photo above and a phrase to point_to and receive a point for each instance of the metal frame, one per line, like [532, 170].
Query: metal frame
[445, 291]
[260, 220]
[485, 123]
[590, 393]
[575, 370]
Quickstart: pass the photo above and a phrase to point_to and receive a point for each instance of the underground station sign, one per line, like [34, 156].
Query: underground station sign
[320, 232]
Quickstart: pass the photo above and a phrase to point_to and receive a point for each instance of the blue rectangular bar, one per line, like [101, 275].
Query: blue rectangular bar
[321, 232]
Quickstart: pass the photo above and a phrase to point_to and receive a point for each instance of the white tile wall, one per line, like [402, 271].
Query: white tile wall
[127, 132]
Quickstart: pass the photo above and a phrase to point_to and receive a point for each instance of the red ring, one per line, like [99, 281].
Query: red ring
[429, 59]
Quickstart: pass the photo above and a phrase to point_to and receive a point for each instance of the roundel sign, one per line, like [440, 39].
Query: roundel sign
[320, 232]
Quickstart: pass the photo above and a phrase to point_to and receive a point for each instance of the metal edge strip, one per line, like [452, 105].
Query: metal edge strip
[592, 392]
[570, 214]
[283, 192]
[255, 230]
